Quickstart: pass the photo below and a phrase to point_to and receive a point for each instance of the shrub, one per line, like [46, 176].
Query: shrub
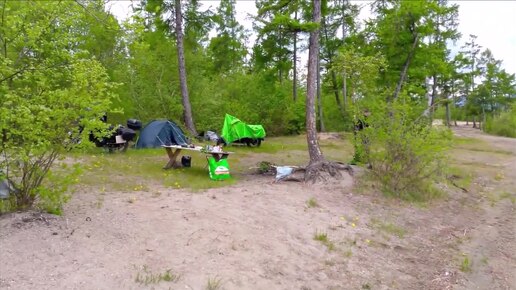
[503, 124]
[52, 95]
[407, 156]
[36, 131]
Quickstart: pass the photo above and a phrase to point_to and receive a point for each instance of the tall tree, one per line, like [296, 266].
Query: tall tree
[336, 15]
[227, 49]
[314, 149]
[278, 26]
[187, 108]
[317, 163]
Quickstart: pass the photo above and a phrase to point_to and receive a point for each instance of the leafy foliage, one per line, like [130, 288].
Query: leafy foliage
[53, 95]
[503, 124]
[406, 155]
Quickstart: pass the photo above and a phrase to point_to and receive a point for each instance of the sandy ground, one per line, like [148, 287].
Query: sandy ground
[260, 235]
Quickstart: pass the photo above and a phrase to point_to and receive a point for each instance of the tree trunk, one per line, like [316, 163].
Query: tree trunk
[319, 97]
[187, 108]
[403, 73]
[474, 123]
[333, 75]
[344, 75]
[448, 115]
[434, 96]
[483, 122]
[336, 90]
[294, 80]
[427, 113]
[313, 50]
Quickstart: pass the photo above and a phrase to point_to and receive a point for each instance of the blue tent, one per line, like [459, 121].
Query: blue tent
[161, 132]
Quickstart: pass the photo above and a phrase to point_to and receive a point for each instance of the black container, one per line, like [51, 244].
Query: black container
[186, 161]
[134, 124]
[127, 134]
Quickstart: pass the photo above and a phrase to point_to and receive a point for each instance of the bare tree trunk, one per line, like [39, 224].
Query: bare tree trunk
[344, 75]
[333, 75]
[319, 97]
[434, 96]
[294, 80]
[336, 90]
[427, 113]
[187, 108]
[313, 50]
[403, 73]
[483, 122]
[344, 88]
[474, 122]
[448, 115]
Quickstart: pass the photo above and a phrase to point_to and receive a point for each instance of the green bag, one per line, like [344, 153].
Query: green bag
[219, 170]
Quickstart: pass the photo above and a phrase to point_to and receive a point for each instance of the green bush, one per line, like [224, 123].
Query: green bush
[53, 96]
[407, 156]
[503, 124]
[54, 192]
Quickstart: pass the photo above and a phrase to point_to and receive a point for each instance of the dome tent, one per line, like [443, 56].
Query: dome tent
[161, 132]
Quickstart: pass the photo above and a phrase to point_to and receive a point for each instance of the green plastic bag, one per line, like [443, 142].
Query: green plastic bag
[219, 170]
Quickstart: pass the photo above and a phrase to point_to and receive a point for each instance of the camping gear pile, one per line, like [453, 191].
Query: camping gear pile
[160, 133]
[120, 136]
[236, 131]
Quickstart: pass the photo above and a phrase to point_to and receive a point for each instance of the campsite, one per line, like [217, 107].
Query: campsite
[262, 144]
[130, 223]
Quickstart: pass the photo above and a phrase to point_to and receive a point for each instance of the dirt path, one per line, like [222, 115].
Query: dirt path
[492, 244]
[260, 235]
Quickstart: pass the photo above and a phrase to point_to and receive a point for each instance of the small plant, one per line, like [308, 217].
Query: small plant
[312, 202]
[214, 283]
[264, 167]
[508, 195]
[348, 253]
[389, 228]
[323, 238]
[148, 277]
[465, 265]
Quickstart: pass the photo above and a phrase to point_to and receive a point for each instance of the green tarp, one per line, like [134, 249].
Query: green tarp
[234, 130]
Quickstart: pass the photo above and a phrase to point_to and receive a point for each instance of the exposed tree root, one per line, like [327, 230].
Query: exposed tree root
[322, 170]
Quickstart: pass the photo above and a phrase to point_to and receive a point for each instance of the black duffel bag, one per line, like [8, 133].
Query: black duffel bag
[134, 124]
[127, 134]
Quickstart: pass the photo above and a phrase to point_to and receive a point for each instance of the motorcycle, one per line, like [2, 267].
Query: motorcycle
[120, 137]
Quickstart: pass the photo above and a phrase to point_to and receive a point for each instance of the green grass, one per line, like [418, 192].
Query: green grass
[138, 170]
[214, 284]
[465, 265]
[477, 145]
[388, 228]
[146, 277]
[509, 196]
[460, 176]
[312, 202]
[323, 238]
[348, 253]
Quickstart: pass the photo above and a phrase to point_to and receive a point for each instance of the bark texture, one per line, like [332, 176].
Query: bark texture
[187, 108]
